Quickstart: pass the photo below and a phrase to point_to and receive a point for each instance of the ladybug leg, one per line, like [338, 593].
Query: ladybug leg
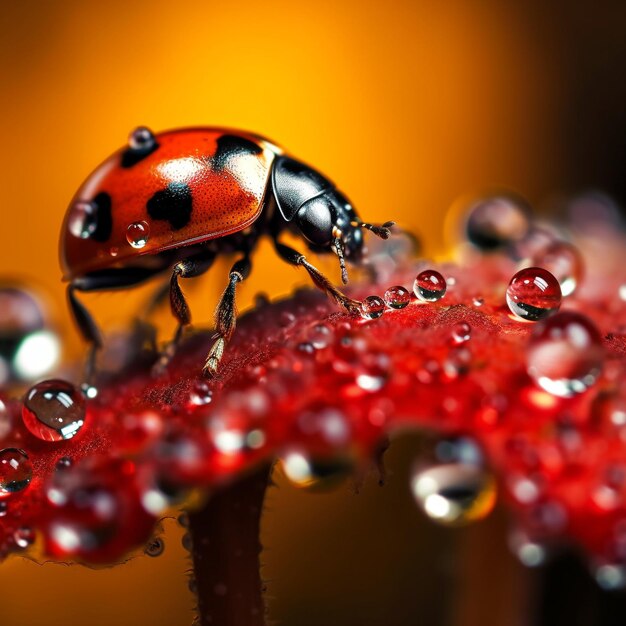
[187, 268]
[293, 257]
[226, 315]
[88, 329]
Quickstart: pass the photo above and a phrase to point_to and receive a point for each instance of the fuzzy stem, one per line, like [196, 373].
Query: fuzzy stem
[226, 551]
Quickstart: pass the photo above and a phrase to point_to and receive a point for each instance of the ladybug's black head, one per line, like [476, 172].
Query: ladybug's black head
[319, 212]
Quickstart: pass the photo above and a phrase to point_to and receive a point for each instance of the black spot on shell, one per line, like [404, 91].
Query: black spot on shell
[132, 156]
[229, 146]
[104, 217]
[173, 204]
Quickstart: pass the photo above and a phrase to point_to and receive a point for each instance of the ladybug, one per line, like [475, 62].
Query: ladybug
[175, 200]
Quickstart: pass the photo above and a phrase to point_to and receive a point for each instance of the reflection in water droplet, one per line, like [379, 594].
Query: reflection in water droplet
[454, 494]
[533, 294]
[495, 222]
[397, 297]
[83, 219]
[372, 307]
[155, 547]
[54, 410]
[565, 354]
[564, 262]
[138, 234]
[16, 471]
[430, 286]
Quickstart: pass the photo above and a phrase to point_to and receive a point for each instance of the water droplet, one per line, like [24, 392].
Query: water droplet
[54, 410]
[565, 354]
[89, 391]
[315, 474]
[286, 319]
[372, 307]
[4, 508]
[138, 234]
[65, 462]
[495, 222]
[155, 547]
[529, 553]
[533, 294]
[397, 297]
[83, 219]
[462, 332]
[454, 494]
[113, 251]
[478, 301]
[564, 262]
[320, 336]
[200, 394]
[430, 286]
[141, 138]
[183, 520]
[16, 471]
[611, 577]
[24, 537]
[187, 542]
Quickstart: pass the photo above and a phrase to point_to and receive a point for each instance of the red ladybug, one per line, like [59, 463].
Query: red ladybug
[176, 200]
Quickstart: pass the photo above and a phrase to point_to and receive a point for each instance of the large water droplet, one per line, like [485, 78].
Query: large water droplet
[564, 262]
[138, 234]
[314, 474]
[454, 494]
[495, 222]
[16, 471]
[565, 354]
[372, 307]
[430, 286]
[533, 294]
[397, 297]
[141, 138]
[83, 219]
[54, 410]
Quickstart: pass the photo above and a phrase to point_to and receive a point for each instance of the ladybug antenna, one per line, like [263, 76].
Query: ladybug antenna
[339, 249]
[383, 231]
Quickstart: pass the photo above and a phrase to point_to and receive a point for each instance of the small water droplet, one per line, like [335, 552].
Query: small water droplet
[372, 307]
[611, 577]
[462, 332]
[187, 542]
[286, 319]
[320, 336]
[315, 474]
[16, 471]
[113, 251]
[454, 494]
[201, 394]
[183, 520]
[492, 223]
[24, 537]
[430, 286]
[155, 547]
[141, 138]
[397, 297]
[4, 508]
[564, 262]
[65, 462]
[565, 354]
[138, 234]
[477, 301]
[89, 391]
[83, 219]
[533, 294]
[54, 410]
[530, 553]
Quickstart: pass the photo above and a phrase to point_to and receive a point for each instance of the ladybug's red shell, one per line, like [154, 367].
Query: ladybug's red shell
[190, 186]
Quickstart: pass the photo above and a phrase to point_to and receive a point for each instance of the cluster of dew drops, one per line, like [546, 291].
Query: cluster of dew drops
[564, 358]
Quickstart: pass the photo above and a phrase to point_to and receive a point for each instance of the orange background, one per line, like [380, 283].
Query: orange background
[406, 105]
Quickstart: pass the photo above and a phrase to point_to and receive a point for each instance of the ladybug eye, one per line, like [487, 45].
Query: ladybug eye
[83, 219]
[141, 138]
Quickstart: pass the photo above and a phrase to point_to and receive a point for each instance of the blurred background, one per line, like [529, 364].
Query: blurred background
[407, 105]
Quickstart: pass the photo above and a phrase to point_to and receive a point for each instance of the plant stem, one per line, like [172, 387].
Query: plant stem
[226, 551]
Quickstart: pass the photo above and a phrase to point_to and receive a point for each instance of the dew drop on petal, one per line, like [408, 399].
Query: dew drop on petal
[4, 508]
[564, 262]
[565, 354]
[462, 332]
[492, 223]
[454, 494]
[16, 471]
[155, 547]
[138, 234]
[65, 462]
[397, 297]
[372, 307]
[54, 410]
[200, 394]
[83, 219]
[533, 294]
[320, 336]
[430, 286]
